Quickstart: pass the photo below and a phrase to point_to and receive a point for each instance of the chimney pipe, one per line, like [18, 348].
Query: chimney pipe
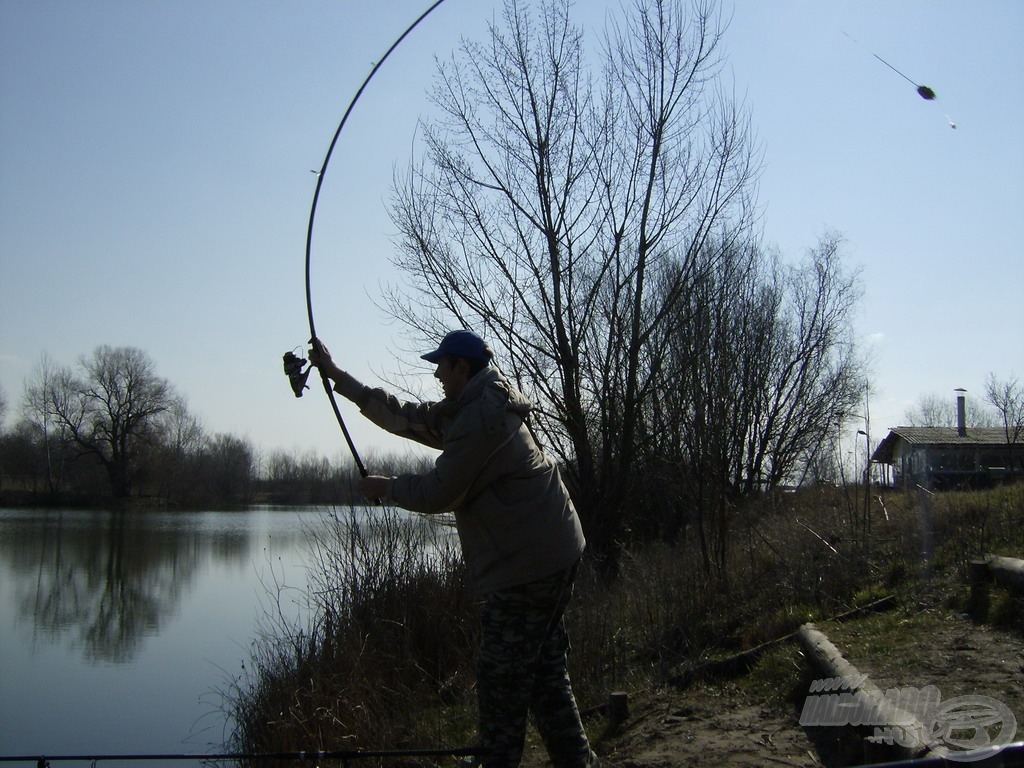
[961, 412]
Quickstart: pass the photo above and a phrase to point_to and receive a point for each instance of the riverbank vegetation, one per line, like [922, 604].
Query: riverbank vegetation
[385, 655]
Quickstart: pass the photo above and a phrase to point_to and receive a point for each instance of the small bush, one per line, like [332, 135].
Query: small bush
[389, 637]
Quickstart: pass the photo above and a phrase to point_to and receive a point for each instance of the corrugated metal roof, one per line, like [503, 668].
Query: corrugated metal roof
[937, 436]
[949, 436]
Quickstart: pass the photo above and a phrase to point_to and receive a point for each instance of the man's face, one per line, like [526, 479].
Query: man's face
[453, 373]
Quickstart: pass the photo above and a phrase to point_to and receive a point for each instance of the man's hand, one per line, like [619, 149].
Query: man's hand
[320, 357]
[375, 487]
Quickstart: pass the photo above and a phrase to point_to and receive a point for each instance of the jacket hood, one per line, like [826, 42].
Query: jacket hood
[491, 377]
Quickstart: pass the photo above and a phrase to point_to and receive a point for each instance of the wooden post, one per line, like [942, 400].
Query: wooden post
[618, 708]
[979, 576]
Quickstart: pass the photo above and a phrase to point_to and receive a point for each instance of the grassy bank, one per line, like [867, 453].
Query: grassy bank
[386, 658]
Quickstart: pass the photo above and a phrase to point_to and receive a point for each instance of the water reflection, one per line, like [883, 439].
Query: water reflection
[104, 581]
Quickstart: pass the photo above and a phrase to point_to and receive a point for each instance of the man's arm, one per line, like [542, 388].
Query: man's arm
[413, 421]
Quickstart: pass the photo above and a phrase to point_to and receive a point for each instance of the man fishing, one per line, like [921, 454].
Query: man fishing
[520, 537]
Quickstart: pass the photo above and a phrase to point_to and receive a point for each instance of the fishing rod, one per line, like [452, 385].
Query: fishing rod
[292, 363]
[43, 761]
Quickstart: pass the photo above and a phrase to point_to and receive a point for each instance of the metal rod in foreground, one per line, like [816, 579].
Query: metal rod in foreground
[344, 754]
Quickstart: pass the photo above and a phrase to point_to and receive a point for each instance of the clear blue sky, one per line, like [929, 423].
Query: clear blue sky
[155, 184]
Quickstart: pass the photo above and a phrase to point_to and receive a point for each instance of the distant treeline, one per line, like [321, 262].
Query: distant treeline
[110, 431]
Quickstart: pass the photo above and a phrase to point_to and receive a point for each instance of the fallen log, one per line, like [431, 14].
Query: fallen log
[1007, 572]
[742, 662]
[846, 697]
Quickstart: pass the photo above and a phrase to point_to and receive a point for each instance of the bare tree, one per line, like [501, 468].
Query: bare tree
[562, 219]
[179, 454]
[229, 464]
[45, 395]
[931, 410]
[760, 360]
[814, 370]
[113, 410]
[1007, 397]
[934, 410]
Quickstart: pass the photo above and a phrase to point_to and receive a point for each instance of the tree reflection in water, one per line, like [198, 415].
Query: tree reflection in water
[107, 580]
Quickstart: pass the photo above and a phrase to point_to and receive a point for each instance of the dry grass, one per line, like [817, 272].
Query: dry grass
[387, 658]
[385, 652]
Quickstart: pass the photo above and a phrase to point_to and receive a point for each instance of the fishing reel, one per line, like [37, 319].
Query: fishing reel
[293, 370]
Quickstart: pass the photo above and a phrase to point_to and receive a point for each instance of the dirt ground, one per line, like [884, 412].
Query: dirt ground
[706, 726]
[726, 724]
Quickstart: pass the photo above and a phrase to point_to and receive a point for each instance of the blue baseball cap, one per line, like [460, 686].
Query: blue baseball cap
[461, 344]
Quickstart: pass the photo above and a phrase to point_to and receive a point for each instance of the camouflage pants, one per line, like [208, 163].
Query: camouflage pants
[521, 670]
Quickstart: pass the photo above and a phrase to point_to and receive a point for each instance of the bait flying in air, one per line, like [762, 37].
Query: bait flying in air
[923, 91]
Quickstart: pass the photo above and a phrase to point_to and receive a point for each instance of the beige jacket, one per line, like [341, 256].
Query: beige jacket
[515, 519]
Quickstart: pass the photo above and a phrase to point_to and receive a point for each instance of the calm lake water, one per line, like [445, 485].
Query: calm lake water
[116, 630]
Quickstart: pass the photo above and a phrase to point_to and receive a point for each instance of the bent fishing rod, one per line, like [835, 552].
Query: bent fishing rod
[292, 363]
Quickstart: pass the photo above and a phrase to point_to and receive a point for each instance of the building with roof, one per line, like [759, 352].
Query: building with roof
[941, 458]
